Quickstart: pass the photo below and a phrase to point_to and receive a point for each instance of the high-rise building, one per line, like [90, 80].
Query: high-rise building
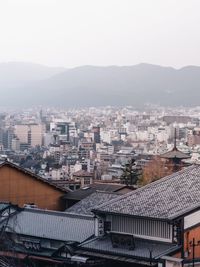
[96, 131]
[31, 134]
[8, 135]
[63, 129]
[36, 134]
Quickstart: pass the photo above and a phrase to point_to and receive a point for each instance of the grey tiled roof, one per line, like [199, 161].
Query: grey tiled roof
[52, 225]
[142, 248]
[166, 198]
[88, 190]
[87, 204]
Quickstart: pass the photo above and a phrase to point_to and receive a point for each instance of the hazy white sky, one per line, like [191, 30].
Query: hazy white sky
[100, 32]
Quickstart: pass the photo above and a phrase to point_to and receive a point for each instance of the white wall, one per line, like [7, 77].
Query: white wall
[192, 219]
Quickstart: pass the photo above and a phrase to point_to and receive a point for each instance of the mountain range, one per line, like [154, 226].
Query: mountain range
[28, 84]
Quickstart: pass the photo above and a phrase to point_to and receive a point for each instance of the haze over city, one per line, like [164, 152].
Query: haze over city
[73, 33]
[99, 133]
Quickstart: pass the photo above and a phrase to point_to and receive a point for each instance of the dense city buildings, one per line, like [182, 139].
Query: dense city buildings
[57, 143]
[84, 186]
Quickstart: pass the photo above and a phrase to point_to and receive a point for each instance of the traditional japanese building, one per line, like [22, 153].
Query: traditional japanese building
[157, 224]
[174, 158]
[33, 237]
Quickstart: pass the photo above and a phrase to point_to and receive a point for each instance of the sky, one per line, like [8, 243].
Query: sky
[71, 33]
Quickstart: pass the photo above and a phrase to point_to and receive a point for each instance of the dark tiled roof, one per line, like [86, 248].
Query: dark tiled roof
[88, 190]
[87, 204]
[175, 153]
[167, 198]
[52, 225]
[33, 175]
[142, 248]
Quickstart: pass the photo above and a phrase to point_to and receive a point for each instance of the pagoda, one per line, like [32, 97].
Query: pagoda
[174, 157]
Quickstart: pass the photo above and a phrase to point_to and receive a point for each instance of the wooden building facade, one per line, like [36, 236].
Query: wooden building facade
[20, 186]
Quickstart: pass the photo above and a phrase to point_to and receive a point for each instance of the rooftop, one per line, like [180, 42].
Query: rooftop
[87, 204]
[88, 190]
[175, 153]
[142, 248]
[51, 225]
[167, 198]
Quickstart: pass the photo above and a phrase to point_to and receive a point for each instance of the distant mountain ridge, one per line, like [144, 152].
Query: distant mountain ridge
[18, 73]
[97, 86]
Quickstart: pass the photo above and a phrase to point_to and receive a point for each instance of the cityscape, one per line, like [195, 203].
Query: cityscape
[99, 133]
[60, 166]
[57, 143]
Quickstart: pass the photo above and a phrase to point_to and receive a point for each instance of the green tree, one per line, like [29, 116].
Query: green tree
[131, 173]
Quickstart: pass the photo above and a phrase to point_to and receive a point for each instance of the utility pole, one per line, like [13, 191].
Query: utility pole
[193, 251]
[193, 245]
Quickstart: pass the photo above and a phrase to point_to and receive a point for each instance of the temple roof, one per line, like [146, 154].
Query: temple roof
[175, 153]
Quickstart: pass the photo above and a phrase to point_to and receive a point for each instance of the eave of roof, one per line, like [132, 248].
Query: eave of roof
[141, 251]
[170, 219]
[175, 153]
[114, 257]
[33, 223]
